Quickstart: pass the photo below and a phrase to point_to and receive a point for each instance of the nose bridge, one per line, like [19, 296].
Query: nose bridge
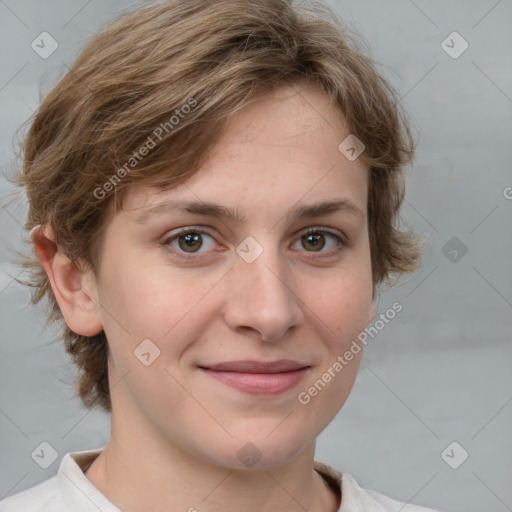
[263, 296]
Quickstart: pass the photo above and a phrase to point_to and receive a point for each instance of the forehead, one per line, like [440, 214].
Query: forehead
[278, 149]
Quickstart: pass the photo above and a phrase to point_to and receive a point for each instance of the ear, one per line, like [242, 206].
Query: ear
[74, 289]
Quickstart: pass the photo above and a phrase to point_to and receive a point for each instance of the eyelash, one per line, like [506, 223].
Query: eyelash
[342, 242]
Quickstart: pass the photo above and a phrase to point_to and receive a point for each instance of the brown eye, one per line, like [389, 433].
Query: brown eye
[315, 240]
[190, 241]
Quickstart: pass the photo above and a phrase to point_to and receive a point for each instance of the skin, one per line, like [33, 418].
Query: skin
[176, 431]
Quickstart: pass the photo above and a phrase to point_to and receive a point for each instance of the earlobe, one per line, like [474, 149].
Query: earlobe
[73, 287]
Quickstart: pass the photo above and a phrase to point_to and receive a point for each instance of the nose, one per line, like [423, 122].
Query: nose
[263, 295]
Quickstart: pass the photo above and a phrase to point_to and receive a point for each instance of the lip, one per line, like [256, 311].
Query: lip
[258, 377]
[252, 366]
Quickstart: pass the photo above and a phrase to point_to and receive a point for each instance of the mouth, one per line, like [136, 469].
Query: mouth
[258, 377]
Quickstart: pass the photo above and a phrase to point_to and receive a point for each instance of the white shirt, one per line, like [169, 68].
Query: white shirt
[70, 491]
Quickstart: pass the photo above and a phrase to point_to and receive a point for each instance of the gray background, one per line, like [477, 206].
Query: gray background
[438, 373]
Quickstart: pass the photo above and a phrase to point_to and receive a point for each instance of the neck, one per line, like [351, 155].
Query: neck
[137, 477]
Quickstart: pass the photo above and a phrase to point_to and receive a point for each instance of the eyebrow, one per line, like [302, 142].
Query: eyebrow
[217, 210]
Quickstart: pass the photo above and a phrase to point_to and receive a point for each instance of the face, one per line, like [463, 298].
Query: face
[265, 285]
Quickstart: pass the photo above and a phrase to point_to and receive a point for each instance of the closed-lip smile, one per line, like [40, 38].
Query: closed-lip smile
[258, 377]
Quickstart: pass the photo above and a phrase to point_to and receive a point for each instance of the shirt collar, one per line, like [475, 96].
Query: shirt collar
[78, 492]
[81, 495]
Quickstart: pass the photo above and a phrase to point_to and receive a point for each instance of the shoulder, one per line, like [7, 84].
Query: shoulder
[68, 490]
[43, 497]
[357, 499]
[367, 499]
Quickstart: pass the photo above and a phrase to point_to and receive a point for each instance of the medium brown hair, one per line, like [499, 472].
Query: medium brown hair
[180, 69]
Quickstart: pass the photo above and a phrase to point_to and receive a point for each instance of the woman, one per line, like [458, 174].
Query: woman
[213, 191]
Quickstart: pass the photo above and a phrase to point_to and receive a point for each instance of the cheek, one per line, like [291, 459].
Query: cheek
[344, 316]
[150, 299]
[341, 303]
[168, 308]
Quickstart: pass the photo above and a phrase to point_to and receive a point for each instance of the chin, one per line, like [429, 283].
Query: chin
[259, 451]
